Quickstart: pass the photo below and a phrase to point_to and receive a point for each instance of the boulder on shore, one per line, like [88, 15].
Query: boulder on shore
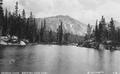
[3, 42]
[22, 43]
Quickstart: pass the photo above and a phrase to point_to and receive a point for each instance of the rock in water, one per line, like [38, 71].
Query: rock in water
[2, 42]
[22, 43]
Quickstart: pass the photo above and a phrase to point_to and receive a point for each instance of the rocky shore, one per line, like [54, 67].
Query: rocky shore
[12, 41]
[107, 45]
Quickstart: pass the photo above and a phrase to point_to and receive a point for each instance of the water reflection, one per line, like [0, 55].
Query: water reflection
[58, 59]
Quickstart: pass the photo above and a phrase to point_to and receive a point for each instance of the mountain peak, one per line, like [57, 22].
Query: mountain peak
[63, 16]
[70, 25]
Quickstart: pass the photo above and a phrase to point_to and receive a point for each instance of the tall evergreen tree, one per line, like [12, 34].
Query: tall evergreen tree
[118, 35]
[89, 31]
[42, 30]
[34, 30]
[50, 36]
[102, 29]
[5, 26]
[15, 24]
[111, 30]
[24, 25]
[23, 14]
[31, 27]
[16, 9]
[66, 37]
[1, 15]
[60, 33]
[97, 35]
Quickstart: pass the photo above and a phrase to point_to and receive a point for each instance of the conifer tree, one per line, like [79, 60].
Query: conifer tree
[1, 16]
[16, 9]
[60, 33]
[50, 36]
[66, 37]
[112, 30]
[5, 26]
[42, 30]
[102, 29]
[23, 14]
[89, 31]
[97, 35]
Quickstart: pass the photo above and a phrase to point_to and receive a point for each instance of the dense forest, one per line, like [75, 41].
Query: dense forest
[105, 33]
[17, 24]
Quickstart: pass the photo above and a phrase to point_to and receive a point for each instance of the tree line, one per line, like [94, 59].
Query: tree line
[104, 31]
[17, 24]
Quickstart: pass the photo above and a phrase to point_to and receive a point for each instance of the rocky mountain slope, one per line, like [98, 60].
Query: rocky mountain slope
[70, 25]
[117, 24]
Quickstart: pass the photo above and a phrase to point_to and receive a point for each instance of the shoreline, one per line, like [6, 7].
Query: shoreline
[95, 45]
[41, 43]
[101, 46]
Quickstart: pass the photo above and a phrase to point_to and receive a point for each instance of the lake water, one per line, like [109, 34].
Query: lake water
[54, 59]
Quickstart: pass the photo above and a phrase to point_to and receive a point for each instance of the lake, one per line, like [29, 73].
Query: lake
[54, 59]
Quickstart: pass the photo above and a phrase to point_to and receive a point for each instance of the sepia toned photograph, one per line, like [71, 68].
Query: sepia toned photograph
[59, 37]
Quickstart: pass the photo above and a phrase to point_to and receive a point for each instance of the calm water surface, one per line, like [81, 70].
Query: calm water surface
[55, 59]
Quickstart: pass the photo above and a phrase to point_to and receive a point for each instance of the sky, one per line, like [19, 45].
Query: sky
[86, 11]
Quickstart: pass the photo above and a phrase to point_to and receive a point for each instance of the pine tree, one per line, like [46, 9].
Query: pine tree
[118, 35]
[5, 26]
[23, 14]
[97, 38]
[102, 29]
[23, 25]
[50, 36]
[34, 30]
[89, 31]
[15, 21]
[16, 9]
[42, 30]
[31, 27]
[9, 23]
[60, 33]
[1, 16]
[112, 30]
[66, 37]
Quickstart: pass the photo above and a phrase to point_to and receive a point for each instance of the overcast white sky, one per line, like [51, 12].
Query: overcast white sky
[86, 11]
